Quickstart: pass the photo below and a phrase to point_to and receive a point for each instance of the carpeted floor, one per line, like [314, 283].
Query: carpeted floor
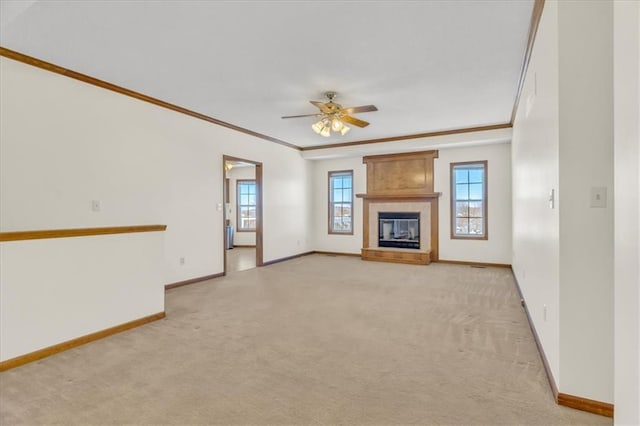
[316, 340]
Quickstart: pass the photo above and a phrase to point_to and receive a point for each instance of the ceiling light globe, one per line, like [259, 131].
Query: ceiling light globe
[336, 125]
[344, 130]
[317, 127]
[326, 132]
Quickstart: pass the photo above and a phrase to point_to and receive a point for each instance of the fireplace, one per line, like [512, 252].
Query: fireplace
[400, 209]
[399, 230]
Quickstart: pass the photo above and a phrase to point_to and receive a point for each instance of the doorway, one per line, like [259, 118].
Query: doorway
[242, 218]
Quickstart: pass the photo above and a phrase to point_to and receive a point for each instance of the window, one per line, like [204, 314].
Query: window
[246, 201]
[341, 202]
[469, 200]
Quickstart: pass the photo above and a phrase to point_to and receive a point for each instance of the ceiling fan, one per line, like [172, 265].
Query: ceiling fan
[333, 116]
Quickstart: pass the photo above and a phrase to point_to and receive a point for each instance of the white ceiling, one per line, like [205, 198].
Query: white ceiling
[426, 65]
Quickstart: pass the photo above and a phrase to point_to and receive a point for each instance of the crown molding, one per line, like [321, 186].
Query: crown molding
[533, 28]
[536, 15]
[412, 136]
[29, 60]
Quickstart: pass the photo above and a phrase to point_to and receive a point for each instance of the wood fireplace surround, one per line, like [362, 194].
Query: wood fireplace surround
[402, 183]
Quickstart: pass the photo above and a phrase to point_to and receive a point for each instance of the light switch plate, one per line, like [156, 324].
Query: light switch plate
[598, 196]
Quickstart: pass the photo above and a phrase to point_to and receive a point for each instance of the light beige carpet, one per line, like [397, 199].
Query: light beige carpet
[316, 340]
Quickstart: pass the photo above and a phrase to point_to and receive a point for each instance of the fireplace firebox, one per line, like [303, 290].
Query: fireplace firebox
[399, 229]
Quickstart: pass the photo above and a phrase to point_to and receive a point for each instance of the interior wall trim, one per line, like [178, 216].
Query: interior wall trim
[48, 66]
[271, 262]
[193, 281]
[475, 264]
[70, 344]
[283, 259]
[259, 210]
[536, 15]
[77, 232]
[412, 136]
[533, 28]
[29, 60]
[336, 253]
[572, 401]
[543, 356]
[585, 404]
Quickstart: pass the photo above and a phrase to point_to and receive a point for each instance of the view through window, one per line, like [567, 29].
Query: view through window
[341, 202]
[246, 200]
[469, 200]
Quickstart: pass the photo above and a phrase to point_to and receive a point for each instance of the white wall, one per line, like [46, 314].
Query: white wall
[563, 140]
[240, 238]
[535, 157]
[627, 211]
[323, 241]
[56, 290]
[64, 143]
[586, 233]
[497, 248]
[194, 222]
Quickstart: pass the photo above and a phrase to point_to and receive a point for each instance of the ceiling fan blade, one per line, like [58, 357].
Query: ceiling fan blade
[303, 115]
[363, 108]
[354, 121]
[318, 104]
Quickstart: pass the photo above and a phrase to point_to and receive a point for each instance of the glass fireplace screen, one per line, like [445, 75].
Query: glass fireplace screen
[400, 230]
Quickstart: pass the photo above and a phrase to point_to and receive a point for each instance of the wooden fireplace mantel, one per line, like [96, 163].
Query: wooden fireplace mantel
[403, 197]
[405, 178]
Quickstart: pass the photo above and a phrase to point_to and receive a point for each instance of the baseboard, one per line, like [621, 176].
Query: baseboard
[536, 338]
[70, 344]
[245, 245]
[478, 264]
[335, 253]
[283, 259]
[585, 404]
[193, 281]
[577, 402]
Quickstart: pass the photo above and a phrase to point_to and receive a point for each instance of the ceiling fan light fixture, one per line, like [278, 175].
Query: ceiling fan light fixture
[332, 116]
[336, 125]
[326, 131]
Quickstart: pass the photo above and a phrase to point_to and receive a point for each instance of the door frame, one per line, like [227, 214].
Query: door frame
[259, 227]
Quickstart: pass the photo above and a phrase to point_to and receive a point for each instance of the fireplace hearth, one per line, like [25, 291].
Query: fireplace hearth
[399, 230]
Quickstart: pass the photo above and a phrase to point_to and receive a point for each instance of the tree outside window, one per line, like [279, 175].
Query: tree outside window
[469, 200]
[341, 202]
